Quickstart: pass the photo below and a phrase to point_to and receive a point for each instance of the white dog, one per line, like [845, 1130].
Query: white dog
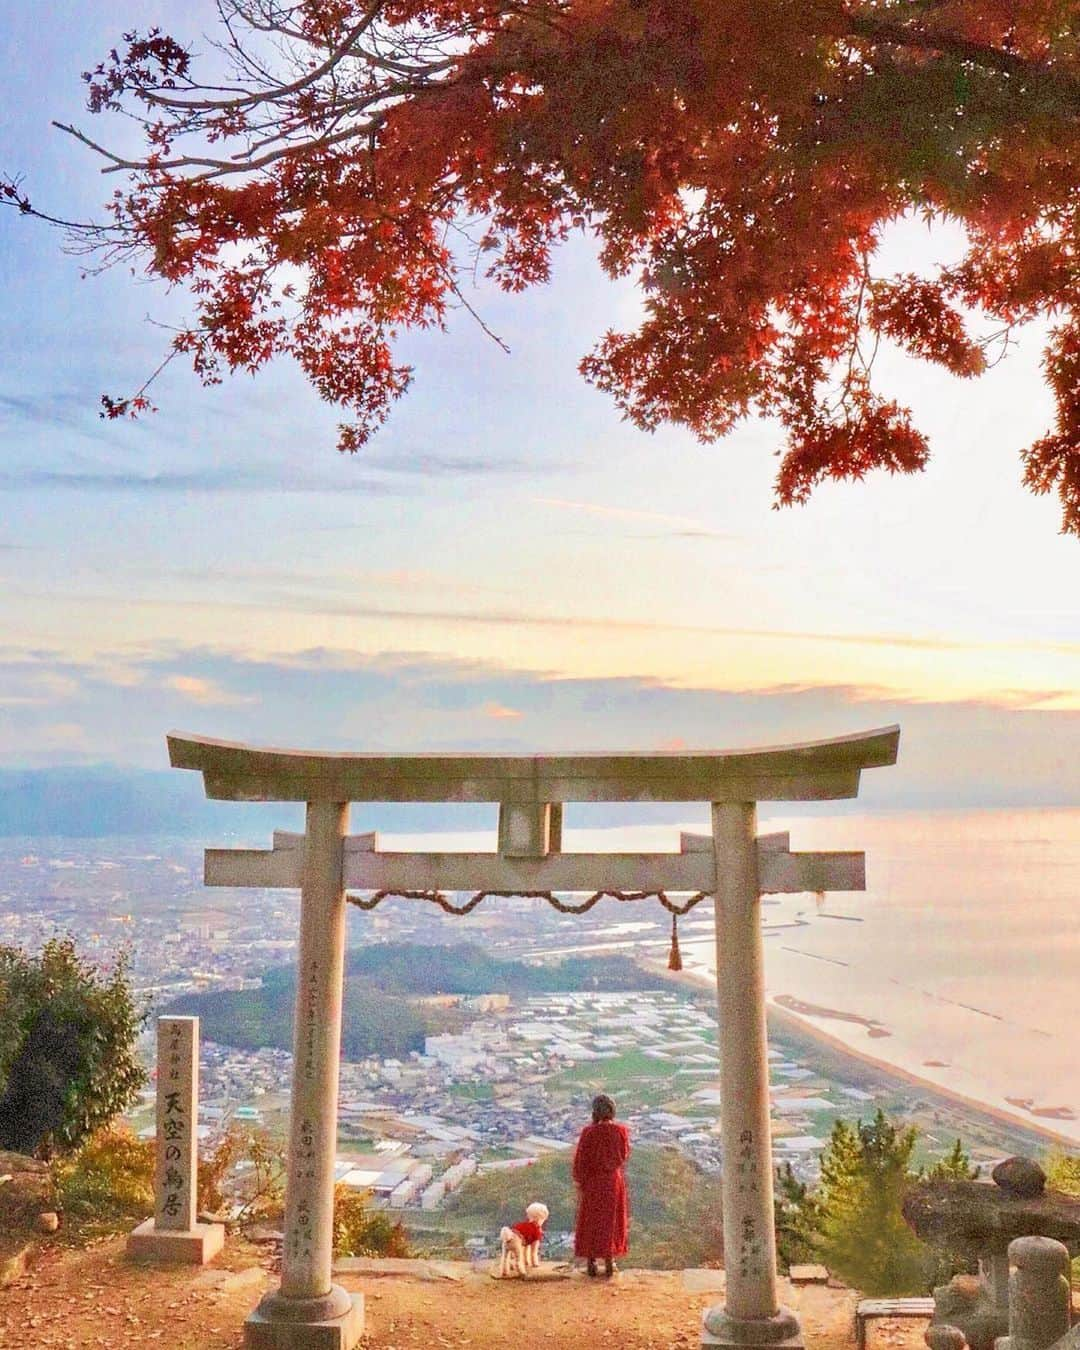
[521, 1242]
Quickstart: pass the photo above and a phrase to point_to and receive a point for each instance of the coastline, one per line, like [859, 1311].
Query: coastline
[792, 1023]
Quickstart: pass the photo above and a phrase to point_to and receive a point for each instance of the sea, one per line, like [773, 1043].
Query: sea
[959, 964]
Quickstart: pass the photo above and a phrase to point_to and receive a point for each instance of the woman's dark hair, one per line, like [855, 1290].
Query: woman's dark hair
[603, 1108]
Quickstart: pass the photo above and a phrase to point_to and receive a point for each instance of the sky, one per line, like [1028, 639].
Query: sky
[509, 565]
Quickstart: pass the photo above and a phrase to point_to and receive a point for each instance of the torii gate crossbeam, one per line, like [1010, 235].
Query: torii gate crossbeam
[734, 864]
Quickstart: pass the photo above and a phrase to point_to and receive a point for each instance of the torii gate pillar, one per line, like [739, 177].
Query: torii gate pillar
[309, 1310]
[734, 865]
[752, 1314]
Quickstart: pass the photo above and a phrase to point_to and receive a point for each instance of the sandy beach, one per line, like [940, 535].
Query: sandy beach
[792, 1023]
[955, 971]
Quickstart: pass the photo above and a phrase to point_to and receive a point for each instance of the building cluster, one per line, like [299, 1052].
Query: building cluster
[517, 1084]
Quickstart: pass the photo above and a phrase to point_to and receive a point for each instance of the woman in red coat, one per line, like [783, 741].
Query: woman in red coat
[602, 1217]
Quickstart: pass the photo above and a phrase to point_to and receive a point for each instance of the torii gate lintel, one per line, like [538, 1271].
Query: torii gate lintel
[366, 867]
[733, 864]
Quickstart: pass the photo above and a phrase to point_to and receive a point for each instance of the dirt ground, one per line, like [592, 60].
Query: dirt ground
[95, 1298]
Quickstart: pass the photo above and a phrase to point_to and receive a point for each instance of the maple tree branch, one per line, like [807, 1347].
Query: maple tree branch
[111, 408]
[281, 91]
[219, 168]
[10, 195]
[874, 28]
[456, 290]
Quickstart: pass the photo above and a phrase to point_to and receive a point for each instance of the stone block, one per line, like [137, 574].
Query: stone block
[411, 1267]
[195, 1247]
[808, 1274]
[243, 1279]
[941, 1336]
[262, 1332]
[1039, 1295]
[1070, 1341]
[176, 1137]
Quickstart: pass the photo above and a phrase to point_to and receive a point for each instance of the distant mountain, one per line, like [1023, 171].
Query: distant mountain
[373, 1023]
[411, 968]
[92, 802]
[95, 801]
[379, 981]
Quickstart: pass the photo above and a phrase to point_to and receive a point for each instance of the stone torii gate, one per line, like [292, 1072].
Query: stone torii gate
[734, 865]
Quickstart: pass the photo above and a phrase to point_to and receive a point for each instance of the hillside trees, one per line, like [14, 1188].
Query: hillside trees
[332, 174]
[856, 1225]
[797, 1218]
[865, 1238]
[381, 1014]
[68, 1061]
[1063, 1172]
[955, 1166]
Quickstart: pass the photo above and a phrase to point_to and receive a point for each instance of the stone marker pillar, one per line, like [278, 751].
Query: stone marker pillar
[173, 1234]
[309, 1312]
[1039, 1294]
[751, 1314]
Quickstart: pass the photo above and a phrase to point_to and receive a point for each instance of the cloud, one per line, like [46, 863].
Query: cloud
[64, 411]
[975, 752]
[527, 618]
[35, 684]
[500, 712]
[685, 525]
[65, 735]
[206, 692]
[433, 464]
[248, 480]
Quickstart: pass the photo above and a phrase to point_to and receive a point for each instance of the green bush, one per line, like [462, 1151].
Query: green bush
[797, 1217]
[1063, 1174]
[68, 1061]
[955, 1166]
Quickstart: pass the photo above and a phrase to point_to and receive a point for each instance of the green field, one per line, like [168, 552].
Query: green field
[476, 1092]
[633, 1079]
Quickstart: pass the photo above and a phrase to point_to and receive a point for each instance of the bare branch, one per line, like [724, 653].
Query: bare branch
[279, 92]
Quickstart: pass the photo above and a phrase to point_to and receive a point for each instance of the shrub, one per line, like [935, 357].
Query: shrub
[68, 1061]
[955, 1166]
[243, 1174]
[1063, 1172]
[362, 1231]
[110, 1178]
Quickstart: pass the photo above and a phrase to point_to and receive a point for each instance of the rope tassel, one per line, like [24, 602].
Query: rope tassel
[674, 961]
